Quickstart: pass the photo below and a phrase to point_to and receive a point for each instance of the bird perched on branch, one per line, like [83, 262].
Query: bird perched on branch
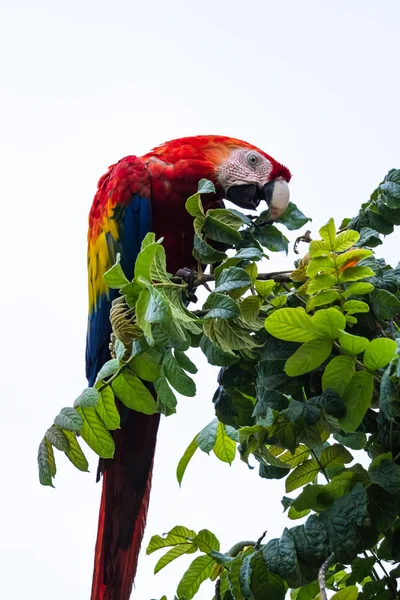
[135, 196]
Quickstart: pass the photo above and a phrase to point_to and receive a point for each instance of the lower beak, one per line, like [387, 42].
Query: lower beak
[275, 193]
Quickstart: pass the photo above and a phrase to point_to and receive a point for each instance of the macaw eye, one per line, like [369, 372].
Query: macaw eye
[252, 160]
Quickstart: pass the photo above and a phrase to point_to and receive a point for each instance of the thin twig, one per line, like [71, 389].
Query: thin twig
[278, 276]
[322, 575]
[218, 589]
[260, 539]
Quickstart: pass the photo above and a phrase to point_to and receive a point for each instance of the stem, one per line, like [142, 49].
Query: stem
[322, 575]
[239, 546]
[320, 465]
[389, 581]
[278, 276]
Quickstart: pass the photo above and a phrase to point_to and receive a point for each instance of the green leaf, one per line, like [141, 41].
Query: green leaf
[358, 289]
[217, 230]
[207, 437]
[352, 256]
[232, 218]
[321, 282]
[321, 298]
[320, 264]
[75, 453]
[328, 322]
[57, 438]
[198, 571]
[46, 463]
[206, 541]
[229, 335]
[335, 456]
[109, 368]
[369, 237]
[271, 238]
[224, 447]
[338, 374]
[249, 308]
[352, 344]
[95, 434]
[257, 582]
[347, 593]
[361, 568]
[379, 353]
[264, 288]
[215, 355]
[352, 307]
[184, 461]
[355, 441]
[194, 206]
[357, 398]
[302, 474]
[119, 349]
[177, 376]
[328, 233]
[107, 409]
[355, 273]
[149, 238]
[174, 553]
[145, 367]
[178, 535]
[69, 419]
[292, 325]
[185, 362]
[248, 254]
[164, 393]
[387, 475]
[346, 240]
[133, 393]
[232, 278]
[293, 218]
[89, 397]
[280, 556]
[205, 186]
[308, 357]
[157, 310]
[319, 248]
[115, 277]
[385, 305]
[300, 454]
[382, 507]
[221, 306]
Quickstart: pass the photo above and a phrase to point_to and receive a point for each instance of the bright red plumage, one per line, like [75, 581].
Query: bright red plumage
[135, 196]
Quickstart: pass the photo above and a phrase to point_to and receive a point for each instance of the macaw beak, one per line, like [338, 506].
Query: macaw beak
[275, 193]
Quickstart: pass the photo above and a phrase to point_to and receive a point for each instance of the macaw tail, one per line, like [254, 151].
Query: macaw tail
[123, 508]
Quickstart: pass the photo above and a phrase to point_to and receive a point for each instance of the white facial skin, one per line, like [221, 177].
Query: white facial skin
[250, 167]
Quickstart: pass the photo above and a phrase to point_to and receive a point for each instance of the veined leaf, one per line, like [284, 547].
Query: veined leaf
[292, 325]
[232, 278]
[115, 277]
[352, 344]
[352, 256]
[338, 374]
[95, 433]
[358, 289]
[164, 393]
[335, 456]
[215, 355]
[207, 437]
[108, 369]
[89, 397]
[379, 353]
[224, 447]
[107, 409]
[304, 473]
[174, 553]
[46, 463]
[321, 298]
[133, 393]
[69, 419]
[177, 376]
[321, 282]
[184, 461]
[308, 357]
[348, 593]
[75, 454]
[264, 288]
[319, 248]
[352, 307]
[320, 264]
[357, 398]
[178, 535]
[356, 273]
[328, 233]
[198, 571]
[185, 362]
[145, 367]
[328, 322]
[293, 218]
[221, 306]
[194, 206]
[57, 438]
[206, 541]
[220, 231]
[345, 240]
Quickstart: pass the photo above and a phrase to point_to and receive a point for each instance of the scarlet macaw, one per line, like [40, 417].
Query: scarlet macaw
[138, 195]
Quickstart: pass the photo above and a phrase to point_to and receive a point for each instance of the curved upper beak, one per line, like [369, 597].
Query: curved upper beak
[275, 193]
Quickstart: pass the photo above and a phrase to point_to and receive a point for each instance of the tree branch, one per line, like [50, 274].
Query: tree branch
[278, 276]
[322, 575]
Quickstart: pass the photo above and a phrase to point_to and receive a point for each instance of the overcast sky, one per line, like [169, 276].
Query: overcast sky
[83, 83]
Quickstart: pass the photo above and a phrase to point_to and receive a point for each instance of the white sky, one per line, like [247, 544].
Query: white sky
[86, 82]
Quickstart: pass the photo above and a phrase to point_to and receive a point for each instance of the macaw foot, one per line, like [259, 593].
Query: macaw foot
[188, 276]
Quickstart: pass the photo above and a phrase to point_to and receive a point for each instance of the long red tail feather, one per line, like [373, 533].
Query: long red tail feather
[123, 508]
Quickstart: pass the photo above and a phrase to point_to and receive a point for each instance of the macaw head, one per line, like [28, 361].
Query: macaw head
[242, 173]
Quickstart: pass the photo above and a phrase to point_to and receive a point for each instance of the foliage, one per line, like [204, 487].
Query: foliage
[309, 374]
